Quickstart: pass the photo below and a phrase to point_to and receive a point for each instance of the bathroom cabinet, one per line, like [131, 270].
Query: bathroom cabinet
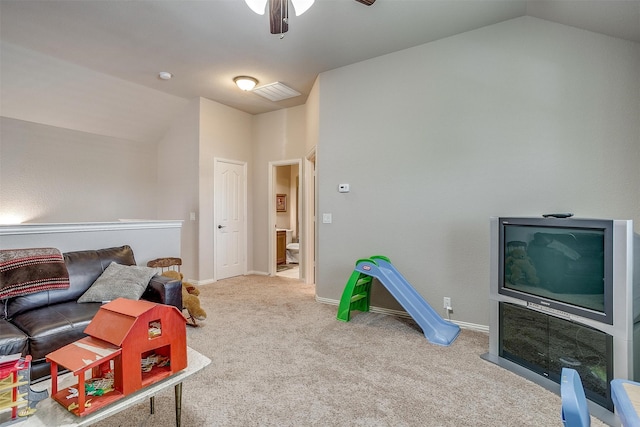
[281, 247]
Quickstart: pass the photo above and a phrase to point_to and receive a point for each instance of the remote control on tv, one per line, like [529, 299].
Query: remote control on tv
[558, 215]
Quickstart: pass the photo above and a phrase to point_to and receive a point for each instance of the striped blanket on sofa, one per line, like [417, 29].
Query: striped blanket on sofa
[26, 271]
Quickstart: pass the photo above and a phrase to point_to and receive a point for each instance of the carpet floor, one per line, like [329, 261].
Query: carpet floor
[279, 358]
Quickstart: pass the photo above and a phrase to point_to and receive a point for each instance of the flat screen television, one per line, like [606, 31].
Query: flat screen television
[563, 264]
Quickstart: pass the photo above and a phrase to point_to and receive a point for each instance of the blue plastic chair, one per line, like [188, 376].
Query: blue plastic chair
[575, 412]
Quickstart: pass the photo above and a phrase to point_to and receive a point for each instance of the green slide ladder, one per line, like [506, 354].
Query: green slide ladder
[356, 294]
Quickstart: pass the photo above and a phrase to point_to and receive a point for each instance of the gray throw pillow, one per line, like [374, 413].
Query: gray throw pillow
[119, 281]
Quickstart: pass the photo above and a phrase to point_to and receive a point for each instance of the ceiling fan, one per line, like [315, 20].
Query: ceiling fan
[279, 11]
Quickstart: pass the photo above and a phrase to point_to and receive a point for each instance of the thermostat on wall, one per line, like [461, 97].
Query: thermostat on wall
[343, 188]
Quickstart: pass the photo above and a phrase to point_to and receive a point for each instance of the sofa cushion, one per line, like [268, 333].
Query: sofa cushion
[55, 326]
[119, 281]
[84, 268]
[12, 339]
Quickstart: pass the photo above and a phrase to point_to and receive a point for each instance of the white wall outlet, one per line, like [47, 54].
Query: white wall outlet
[343, 188]
[326, 218]
[446, 302]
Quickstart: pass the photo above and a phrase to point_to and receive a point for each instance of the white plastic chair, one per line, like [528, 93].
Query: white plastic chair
[575, 411]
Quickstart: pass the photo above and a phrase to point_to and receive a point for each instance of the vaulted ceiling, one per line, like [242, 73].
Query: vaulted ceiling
[206, 43]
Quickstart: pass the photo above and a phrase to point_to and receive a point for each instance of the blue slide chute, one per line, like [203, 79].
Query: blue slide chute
[436, 329]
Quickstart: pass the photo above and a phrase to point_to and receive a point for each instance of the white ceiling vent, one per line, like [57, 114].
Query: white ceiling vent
[276, 91]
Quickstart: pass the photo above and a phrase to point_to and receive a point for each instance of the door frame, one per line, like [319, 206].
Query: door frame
[271, 226]
[216, 161]
[310, 203]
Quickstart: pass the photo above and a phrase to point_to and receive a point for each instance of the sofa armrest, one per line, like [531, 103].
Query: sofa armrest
[164, 290]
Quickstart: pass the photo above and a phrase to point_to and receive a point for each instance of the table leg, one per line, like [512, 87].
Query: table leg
[152, 405]
[54, 378]
[178, 403]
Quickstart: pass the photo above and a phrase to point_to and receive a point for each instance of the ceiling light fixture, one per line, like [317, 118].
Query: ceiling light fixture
[245, 83]
[164, 75]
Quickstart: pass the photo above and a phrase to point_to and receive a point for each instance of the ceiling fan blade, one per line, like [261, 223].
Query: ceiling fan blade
[278, 16]
[366, 2]
[257, 6]
[301, 6]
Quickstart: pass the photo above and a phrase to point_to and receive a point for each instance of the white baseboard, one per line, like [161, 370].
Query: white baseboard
[209, 281]
[257, 273]
[200, 282]
[404, 314]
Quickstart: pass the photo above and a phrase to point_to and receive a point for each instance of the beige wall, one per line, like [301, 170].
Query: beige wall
[42, 89]
[519, 118]
[283, 186]
[278, 136]
[49, 174]
[178, 187]
[76, 144]
[225, 133]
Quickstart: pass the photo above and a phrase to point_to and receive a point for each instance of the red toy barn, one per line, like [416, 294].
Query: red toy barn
[136, 343]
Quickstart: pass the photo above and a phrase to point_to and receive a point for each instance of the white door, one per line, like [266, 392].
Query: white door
[230, 200]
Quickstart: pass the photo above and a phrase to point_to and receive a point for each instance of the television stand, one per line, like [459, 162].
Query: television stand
[545, 344]
[604, 415]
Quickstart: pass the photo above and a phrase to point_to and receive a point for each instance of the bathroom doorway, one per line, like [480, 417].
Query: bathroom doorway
[285, 216]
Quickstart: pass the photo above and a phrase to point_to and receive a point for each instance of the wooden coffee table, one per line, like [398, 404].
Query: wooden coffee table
[51, 413]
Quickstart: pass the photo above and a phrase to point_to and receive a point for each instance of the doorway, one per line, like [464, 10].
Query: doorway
[286, 252]
[230, 214]
[309, 210]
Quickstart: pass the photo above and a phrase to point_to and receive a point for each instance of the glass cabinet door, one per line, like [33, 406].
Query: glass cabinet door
[524, 337]
[545, 344]
[588, 351]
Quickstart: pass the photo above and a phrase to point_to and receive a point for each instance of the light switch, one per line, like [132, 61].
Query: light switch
[326, 218]
[343, 188]
[192, 216]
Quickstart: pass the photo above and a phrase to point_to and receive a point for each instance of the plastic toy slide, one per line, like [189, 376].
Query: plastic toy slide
[356, 297]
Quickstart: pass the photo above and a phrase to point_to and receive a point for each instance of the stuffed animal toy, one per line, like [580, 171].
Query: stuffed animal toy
[521, 267]
[190, 293]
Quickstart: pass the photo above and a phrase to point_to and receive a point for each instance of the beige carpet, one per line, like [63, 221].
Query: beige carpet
[281, 359]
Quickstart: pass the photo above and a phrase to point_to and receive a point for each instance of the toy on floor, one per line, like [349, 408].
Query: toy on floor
[15, 389]
[356, 297]
[190, 300]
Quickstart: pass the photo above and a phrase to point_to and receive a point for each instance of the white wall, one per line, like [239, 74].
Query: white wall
[148, 239]
[278, 135]
[49, 174]
[177, 183]
[519, 118]
[76, 145]
[225, 133]
[42, 89]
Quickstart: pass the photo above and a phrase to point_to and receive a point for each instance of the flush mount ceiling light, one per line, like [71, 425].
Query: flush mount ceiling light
[164, 75]
[245, 83]
[279, 11]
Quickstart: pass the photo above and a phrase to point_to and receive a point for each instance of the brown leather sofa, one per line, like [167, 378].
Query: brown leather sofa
[40, 323]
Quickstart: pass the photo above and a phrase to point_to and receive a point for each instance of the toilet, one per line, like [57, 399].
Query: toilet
[293, 249]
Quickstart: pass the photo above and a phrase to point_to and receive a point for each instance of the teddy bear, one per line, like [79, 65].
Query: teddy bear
[521, 267]
[190, 293]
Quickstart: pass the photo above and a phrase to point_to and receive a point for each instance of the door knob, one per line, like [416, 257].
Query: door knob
[221, 226]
